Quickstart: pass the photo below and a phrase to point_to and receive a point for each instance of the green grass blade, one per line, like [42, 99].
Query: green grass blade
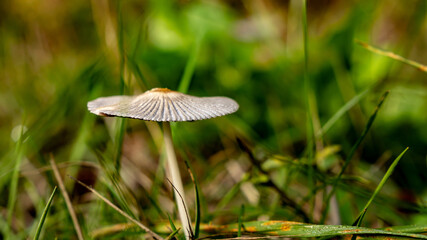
[118, 143]
[242, 212]
[408, 229]
[303, 230]
[341, 112]
[197, 193]
[392, 55]
[191, 64]
[174, 229]
[171, 223]
[379, 187]
[19, 153]
[310, 113]
[44, 214]
[350, 155]
[172, 235]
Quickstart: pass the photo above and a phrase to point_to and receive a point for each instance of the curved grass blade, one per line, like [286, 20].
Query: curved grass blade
[351, 154]
[44, 214]
[341, 112]
[377, 190]
[196, 190]
[393, 55]
[299, 230]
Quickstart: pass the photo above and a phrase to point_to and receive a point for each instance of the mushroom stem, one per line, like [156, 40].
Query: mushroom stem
[176, 180]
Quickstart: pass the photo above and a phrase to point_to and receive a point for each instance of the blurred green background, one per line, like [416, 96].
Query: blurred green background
[55, 56]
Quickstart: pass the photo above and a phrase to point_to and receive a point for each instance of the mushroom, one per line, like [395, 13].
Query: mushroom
[164, 105]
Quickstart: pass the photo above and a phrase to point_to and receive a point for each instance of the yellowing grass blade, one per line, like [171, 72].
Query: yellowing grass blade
[299, 230]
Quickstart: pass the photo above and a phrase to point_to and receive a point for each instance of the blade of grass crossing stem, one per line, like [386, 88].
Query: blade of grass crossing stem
[172, 235]
[379, 187]
[392, 55]
[197, 193]
[127, 216]
[350, 155]
[242, 213]
[308, 95]
[191, 64]
[44, 214]
[174, 229]
[341, 112]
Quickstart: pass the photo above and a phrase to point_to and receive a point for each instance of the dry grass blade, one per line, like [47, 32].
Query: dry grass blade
[142, 226]
[66, 198]
[393, 55]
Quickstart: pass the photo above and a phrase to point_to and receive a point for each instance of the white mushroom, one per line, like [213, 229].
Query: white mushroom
[164, 105]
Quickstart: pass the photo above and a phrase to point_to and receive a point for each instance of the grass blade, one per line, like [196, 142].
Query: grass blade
[66, 198]
[44, 214]
[310, 106]
[172, 235]
[143, 227]
[379, 187]
[392, 55]
[350, 155]
[191, 64]
[118, 143]
[242, 212]
[197, 194]
[174, 229]
[408, 229]
[340, 113]
[303, 230]
[14, 182]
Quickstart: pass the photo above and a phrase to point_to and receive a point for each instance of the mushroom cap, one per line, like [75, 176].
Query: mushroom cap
[163, 105]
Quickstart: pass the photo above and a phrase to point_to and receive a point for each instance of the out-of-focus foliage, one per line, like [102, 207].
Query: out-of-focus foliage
[57, 55]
